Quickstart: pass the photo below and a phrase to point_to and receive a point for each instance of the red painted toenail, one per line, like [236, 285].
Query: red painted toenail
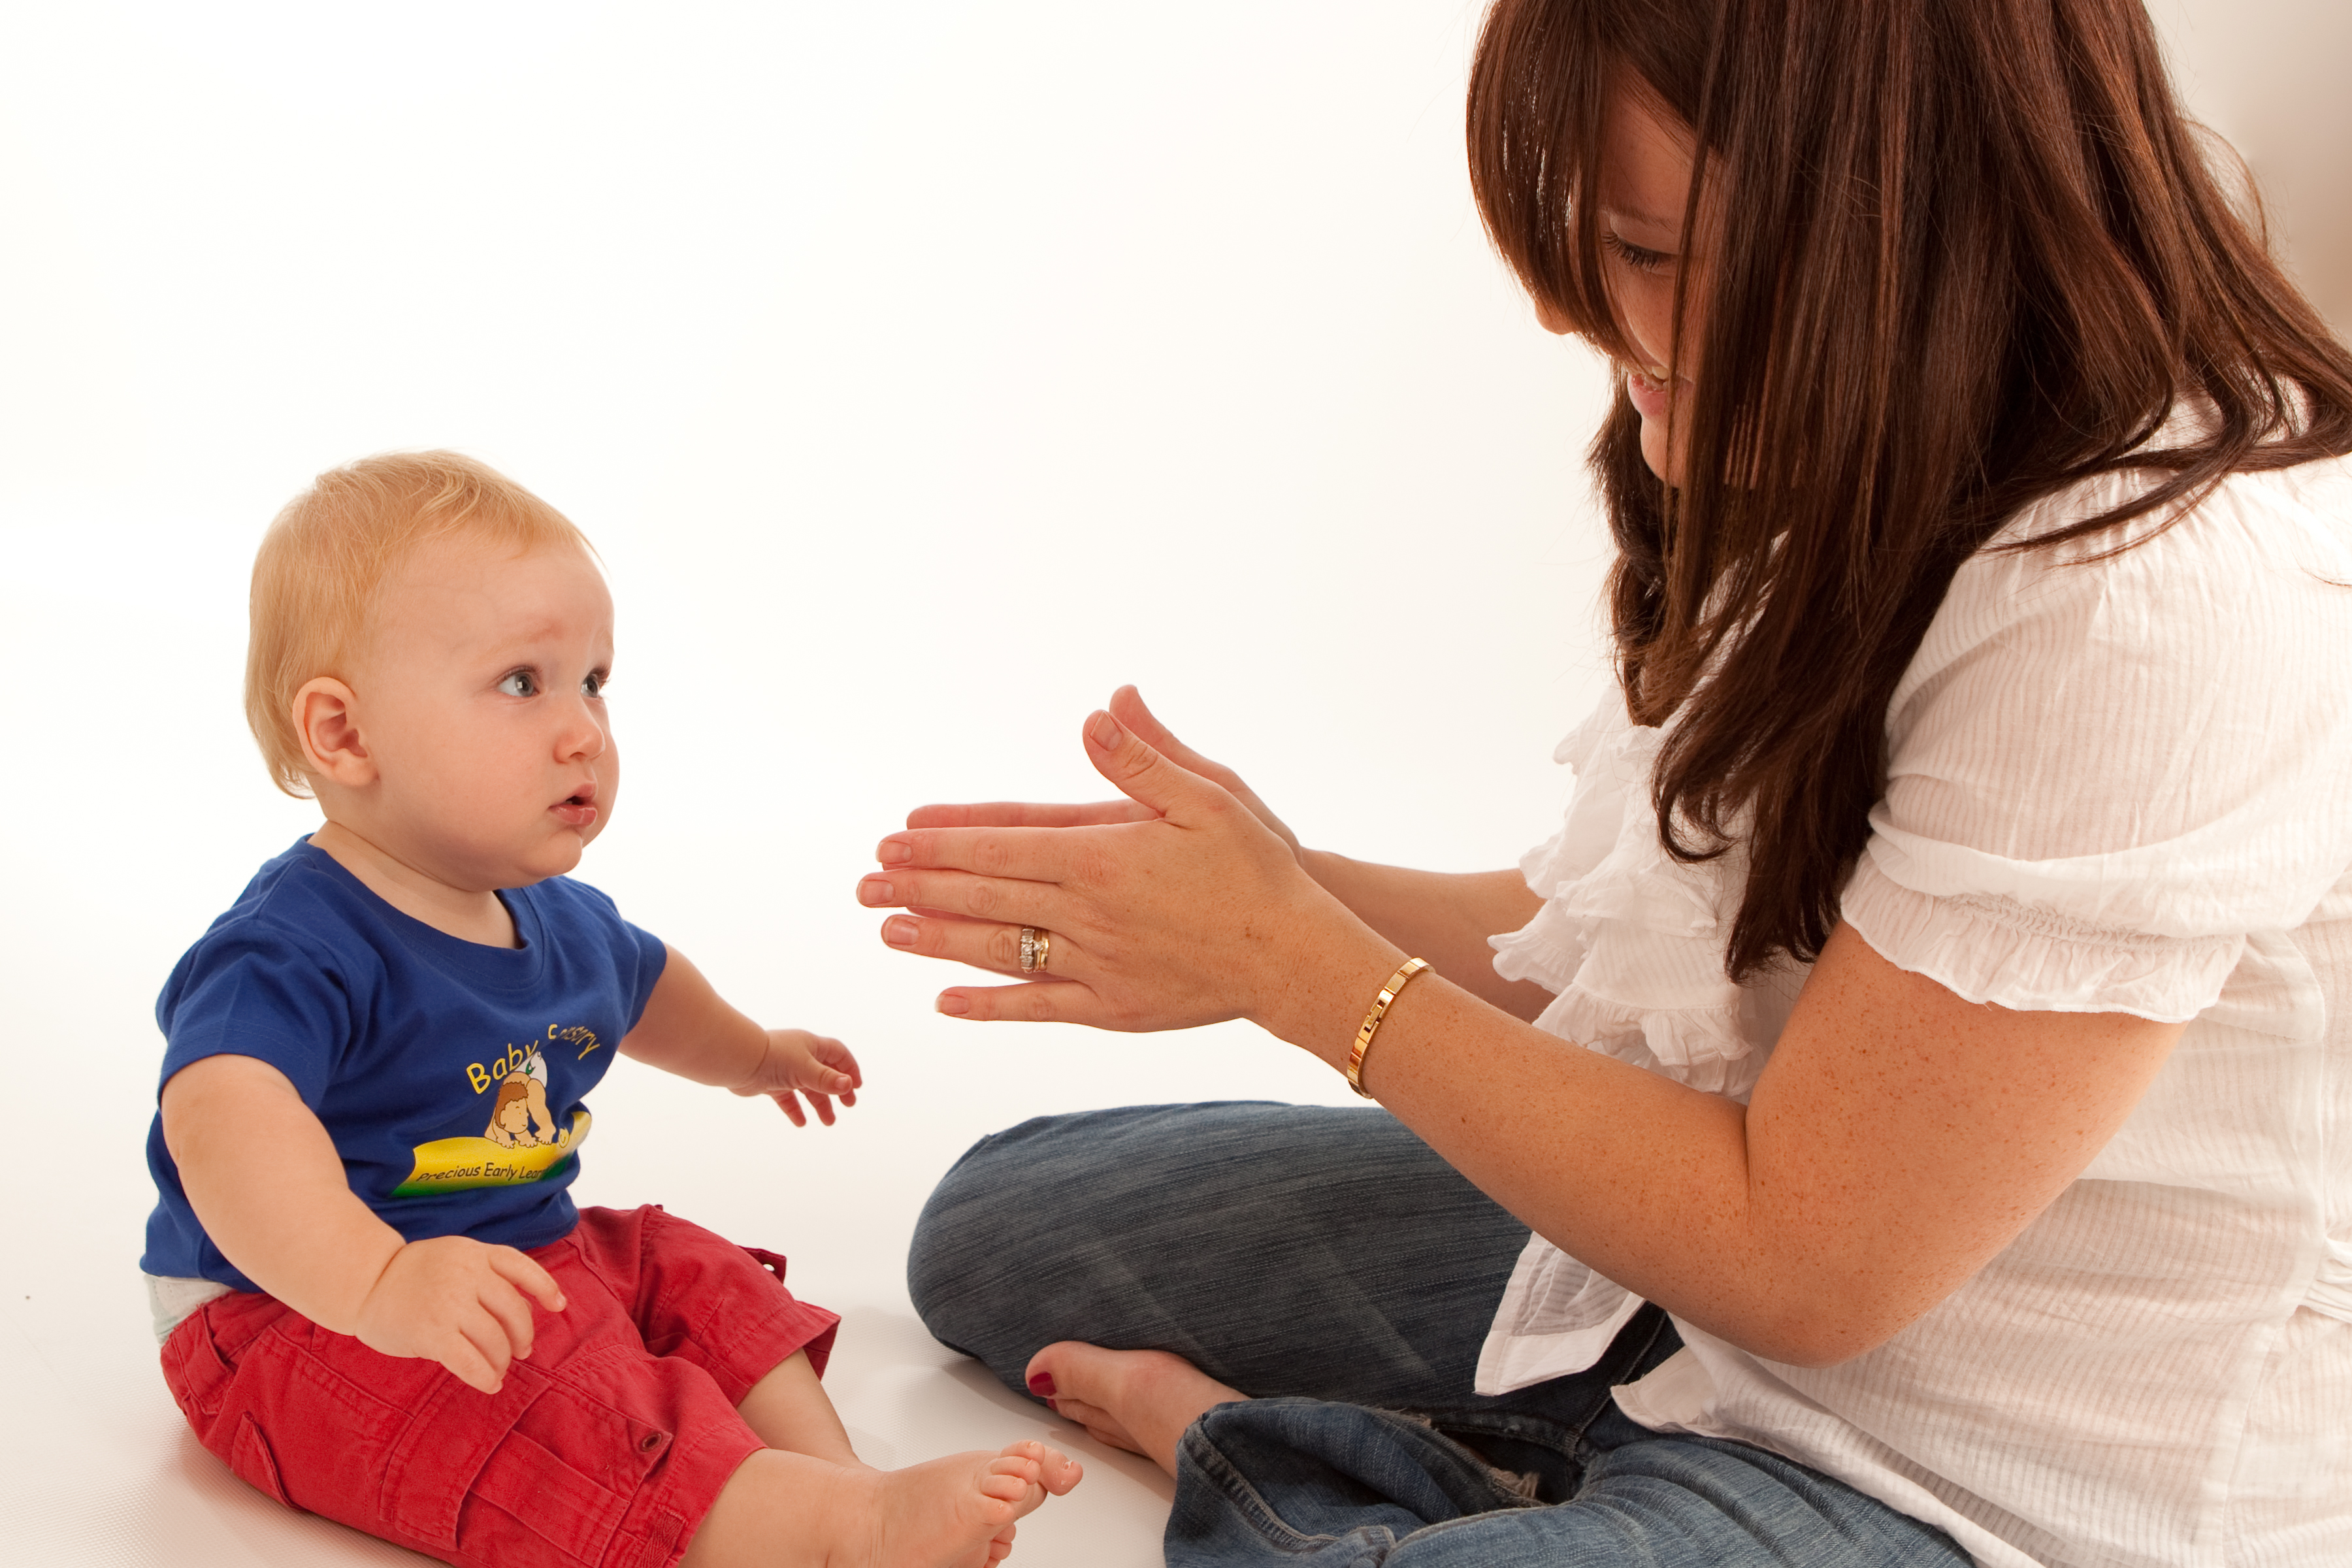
[1042, 1385]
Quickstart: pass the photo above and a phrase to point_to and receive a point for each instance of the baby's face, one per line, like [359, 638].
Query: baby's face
[480, 698]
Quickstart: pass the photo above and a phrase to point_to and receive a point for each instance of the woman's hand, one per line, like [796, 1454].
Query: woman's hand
[1183, 904]
[1127, 707]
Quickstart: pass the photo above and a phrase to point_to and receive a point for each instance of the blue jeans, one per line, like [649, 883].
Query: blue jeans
[1327, 1263]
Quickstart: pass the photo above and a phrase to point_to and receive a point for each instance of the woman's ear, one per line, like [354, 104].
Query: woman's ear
[326, 716]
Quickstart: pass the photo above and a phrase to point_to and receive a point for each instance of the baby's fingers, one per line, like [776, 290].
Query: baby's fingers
[520, 1271]
[508, 1332]
[469, 1366]
[833, 1070]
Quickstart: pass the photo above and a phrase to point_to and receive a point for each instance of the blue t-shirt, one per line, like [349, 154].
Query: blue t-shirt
[450, 1074]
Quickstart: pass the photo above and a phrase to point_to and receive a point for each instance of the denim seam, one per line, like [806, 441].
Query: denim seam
[1228, 1478]
[1507, 1494]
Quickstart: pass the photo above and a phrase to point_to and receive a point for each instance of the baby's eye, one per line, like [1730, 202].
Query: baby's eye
[593, 683]
[521, 683]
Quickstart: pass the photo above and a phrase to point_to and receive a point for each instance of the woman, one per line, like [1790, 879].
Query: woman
[1954, 901]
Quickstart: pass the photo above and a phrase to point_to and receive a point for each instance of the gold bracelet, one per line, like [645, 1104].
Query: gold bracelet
[1412, 966]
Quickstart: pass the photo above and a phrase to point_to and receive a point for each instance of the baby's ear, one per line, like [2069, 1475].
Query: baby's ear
[326, 716]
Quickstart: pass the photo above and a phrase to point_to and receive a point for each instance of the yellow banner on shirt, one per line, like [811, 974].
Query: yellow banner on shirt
[454, 1164]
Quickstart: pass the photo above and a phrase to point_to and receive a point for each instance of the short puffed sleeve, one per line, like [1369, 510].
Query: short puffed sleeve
[2105, 774]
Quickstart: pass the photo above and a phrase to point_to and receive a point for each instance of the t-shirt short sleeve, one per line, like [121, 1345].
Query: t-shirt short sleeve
[639, 956]
[2105, 774]
[254, 989]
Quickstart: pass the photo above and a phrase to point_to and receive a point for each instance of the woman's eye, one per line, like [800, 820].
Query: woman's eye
[521, 683]
[1634, 256]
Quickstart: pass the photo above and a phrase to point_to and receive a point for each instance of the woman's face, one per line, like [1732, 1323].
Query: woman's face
[1646, 158]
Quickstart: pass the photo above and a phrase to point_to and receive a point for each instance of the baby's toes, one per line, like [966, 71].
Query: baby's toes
[1056, 1471]
[1009, 1480]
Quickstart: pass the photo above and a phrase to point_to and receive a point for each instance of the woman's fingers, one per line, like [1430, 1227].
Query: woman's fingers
[1010, 901]
[1127, 759]
[1048, 1001]
[1026, 813]
[1127, 706]
[1024, 854]
[984, 944]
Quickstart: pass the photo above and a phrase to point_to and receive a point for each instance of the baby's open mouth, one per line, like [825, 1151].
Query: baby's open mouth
[577, 809]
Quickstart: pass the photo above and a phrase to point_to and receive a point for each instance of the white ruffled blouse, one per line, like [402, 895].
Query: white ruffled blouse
[2118, 785]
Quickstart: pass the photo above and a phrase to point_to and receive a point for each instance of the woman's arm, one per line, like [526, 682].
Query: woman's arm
[1899, 1138]
[1443, 917]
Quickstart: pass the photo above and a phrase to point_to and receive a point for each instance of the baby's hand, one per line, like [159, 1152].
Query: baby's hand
[812, 1065]
[457, 1302]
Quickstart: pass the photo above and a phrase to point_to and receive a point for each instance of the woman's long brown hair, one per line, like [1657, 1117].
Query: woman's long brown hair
[1968, 253]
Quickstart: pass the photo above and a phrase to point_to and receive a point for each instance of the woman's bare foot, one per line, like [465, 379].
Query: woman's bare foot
[957, 1512]
[1138, 1400]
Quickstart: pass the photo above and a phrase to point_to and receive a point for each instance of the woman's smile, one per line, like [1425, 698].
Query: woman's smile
[1649, 392]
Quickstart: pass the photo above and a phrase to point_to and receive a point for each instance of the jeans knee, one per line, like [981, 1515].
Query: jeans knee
[954, 1238]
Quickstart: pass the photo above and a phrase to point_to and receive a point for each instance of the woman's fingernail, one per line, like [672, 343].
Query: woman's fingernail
[899, 931]
[953, 1005]
[895, 852]
[873, 891]
[1104, 732]
[1042, 1384]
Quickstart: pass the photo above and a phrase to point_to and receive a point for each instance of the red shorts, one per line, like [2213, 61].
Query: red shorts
[606, 1447]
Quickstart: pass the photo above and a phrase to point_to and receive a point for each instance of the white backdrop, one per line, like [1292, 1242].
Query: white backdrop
[921, 371]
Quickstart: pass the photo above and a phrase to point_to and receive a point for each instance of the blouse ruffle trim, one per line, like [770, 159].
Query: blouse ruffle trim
[1628, 939]
[2032, 958]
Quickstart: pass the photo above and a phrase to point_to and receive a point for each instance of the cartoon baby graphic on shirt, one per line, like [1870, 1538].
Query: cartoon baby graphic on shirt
[523, 1141]
[521, 1107]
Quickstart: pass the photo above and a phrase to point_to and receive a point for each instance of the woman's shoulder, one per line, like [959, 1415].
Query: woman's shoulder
[2261, 561]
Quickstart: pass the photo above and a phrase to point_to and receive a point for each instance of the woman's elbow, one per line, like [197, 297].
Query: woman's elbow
[1819, 1329]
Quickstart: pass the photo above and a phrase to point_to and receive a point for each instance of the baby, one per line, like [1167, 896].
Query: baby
[377, 1300]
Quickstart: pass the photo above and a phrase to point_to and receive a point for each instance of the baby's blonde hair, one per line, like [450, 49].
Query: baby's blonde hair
[327, 555]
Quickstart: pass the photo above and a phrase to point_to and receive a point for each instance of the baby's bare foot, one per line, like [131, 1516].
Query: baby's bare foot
[958, 1512]
[1138, 1400]
[783, 1509]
